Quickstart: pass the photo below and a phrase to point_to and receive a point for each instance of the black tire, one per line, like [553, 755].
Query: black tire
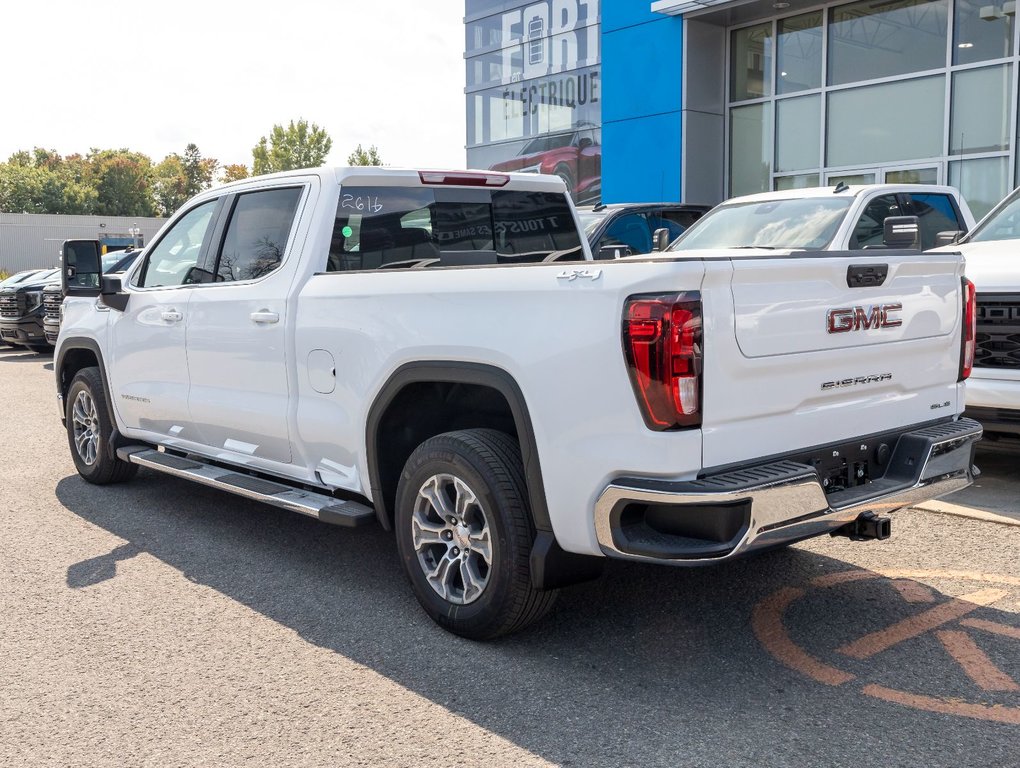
[91, 453]
[563, 171]
[488, 463]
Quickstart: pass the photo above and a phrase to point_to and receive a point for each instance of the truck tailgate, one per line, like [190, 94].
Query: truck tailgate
[806, 353]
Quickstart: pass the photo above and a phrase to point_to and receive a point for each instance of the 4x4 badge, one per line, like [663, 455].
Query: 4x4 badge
[573, 274]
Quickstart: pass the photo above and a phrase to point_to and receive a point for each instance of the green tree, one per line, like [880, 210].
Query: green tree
[234, 172]
[169, 185]
[299, 145]
[362, 157]
[198, 171]
[178, 178]
[33, 182]
[20, 188]
[122, 183]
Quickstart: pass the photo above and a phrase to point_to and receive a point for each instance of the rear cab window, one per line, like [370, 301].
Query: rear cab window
[416, 228]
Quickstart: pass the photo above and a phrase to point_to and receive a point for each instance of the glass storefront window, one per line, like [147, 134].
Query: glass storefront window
[982, 31]
[869, 40]
[983, 182]
[850, 179]
[913, 176]
[799, 53]
[750, 149]
[801, 181]
[886, 123]
[798, 133]
[982, 105]
[751, 62]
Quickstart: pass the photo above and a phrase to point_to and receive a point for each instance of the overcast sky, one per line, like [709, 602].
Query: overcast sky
[153, 77]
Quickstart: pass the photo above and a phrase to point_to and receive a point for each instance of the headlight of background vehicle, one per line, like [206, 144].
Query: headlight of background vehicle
[32, 300]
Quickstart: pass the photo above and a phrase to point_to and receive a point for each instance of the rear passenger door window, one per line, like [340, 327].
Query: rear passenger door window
[936, 213]
[870, 227]
[256, 237]
[630, 230]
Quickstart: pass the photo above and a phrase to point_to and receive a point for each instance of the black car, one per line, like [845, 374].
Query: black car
[625, 229]
[53, 295]
[21, 310]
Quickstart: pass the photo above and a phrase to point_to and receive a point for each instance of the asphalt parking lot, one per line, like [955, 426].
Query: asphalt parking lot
[162, 623]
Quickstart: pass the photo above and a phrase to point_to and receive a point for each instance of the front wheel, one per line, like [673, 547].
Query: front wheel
[464, 533]
[89, 430]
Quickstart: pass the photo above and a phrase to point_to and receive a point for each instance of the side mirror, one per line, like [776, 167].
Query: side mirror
[610, 252]
[81, 268]
[949, 237]
[901, 232]
[112, 293]
[660, 239]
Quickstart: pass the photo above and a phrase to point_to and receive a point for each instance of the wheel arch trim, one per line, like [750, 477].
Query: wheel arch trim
[86, 343]
[457, 372]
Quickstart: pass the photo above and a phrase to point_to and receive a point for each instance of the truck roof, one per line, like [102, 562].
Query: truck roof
[847, 191]
[416, 177]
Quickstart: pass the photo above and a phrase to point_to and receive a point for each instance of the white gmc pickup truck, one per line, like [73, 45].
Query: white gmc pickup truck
[436, 352]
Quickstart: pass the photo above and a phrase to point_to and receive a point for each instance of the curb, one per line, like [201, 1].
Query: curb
[956, 510]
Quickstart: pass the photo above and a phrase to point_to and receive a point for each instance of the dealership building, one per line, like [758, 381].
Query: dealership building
[700, 100]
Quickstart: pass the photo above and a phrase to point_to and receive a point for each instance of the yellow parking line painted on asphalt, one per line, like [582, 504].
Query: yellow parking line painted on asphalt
[975, 662]
[876, 642]
[993, 627]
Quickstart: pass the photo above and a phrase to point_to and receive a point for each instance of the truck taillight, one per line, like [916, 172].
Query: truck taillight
[464, 178]
[662, 341]
[968, 340]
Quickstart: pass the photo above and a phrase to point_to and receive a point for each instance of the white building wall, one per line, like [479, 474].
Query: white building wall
[30, 240]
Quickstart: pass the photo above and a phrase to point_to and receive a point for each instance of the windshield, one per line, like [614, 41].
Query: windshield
[1003, 223]
[796, 223]
[110, 258]
[590, 220]
[19, 277]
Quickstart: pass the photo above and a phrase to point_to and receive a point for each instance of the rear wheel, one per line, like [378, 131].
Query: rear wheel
[564, 173]
[89, 430]
[464, 533]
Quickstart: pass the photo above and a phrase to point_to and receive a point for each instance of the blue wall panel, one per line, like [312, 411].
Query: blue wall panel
[642, 66]
[617, 14]
[641, 159]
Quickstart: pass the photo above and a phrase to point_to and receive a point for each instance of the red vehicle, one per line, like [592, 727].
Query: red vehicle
[575, 157]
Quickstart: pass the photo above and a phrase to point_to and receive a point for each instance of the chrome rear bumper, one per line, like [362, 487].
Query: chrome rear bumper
[726, 515]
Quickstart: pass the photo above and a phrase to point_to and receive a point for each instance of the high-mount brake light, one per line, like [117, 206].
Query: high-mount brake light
[663, 344]
[462, 179]
[968, 337]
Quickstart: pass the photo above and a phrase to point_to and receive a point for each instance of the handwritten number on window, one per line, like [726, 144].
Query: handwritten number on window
[367, 203]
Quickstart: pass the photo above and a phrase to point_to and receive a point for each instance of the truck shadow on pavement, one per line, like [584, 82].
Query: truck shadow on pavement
[648, 665]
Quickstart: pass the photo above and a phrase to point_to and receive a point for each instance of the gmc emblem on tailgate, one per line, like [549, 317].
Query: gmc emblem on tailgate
[861, 319]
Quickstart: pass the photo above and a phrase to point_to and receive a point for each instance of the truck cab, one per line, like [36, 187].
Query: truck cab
[836, 218]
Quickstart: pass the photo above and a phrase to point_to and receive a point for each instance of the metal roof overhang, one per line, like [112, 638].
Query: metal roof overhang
[728, 12]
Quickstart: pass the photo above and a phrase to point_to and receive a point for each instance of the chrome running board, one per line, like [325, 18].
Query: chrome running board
[349, 514]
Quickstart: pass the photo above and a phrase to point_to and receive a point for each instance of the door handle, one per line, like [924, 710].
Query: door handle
[172, 315]
[265, 317]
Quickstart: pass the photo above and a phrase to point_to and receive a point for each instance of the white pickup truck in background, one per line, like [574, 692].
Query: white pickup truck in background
[840, 218]
[992, 251]
[438, 353]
